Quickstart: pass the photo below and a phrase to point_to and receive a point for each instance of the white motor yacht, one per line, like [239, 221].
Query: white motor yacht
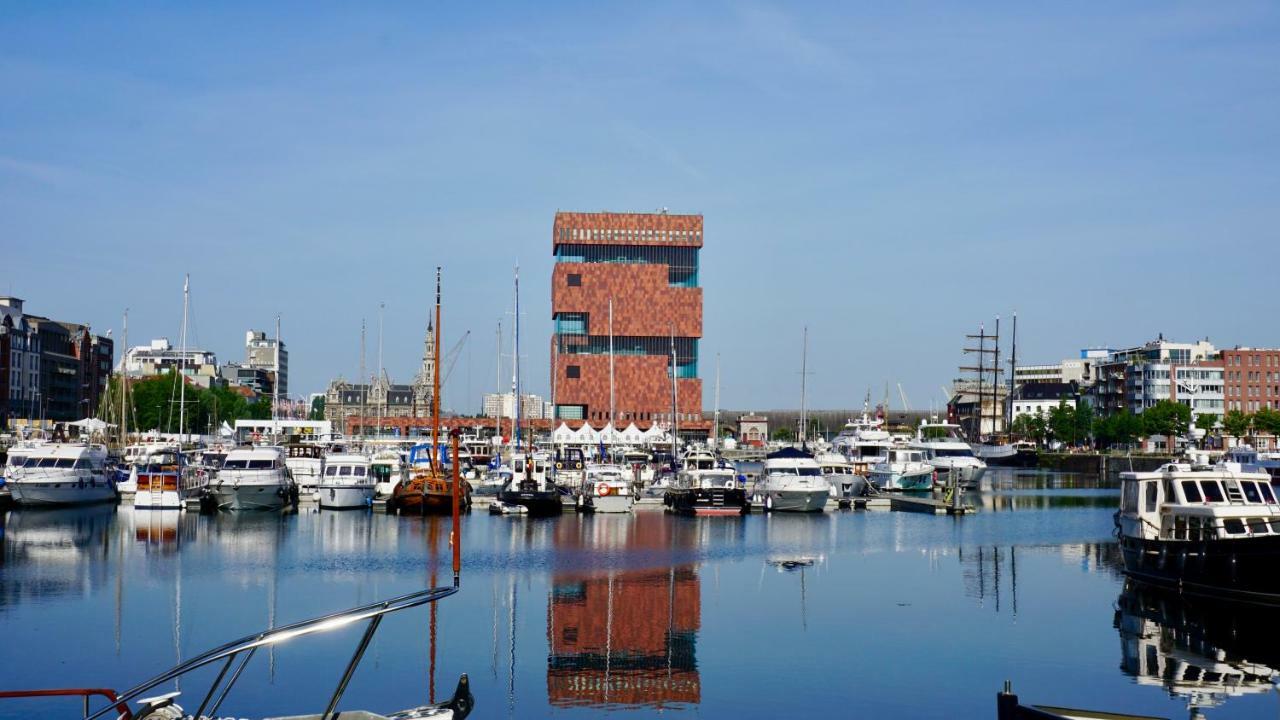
[346, 483]
[606, 489]
[133, 455]
[839, 472]
[906, 468]
[791, 481]
[305, 462]
[253, 478]
[161, 480]
[388, 469]
[949, 453]
[62, 474]
[706, 485]
[864, 442]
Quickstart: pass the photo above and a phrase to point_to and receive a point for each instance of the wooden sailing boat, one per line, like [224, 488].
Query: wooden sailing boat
[429, 488]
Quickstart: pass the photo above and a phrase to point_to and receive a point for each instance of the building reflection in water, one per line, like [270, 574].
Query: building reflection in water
[1201, 651]
[620, 636]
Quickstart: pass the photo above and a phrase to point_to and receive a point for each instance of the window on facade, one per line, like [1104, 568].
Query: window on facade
[574, 280]
[573, 371]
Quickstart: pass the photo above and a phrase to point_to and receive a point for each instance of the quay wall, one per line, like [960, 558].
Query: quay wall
[1101, 464]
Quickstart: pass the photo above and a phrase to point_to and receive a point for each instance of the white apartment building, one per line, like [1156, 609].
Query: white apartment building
[532, 407]
[159, 357]
[260, 354]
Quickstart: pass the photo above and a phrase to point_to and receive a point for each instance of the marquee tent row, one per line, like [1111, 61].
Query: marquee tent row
[587, 435]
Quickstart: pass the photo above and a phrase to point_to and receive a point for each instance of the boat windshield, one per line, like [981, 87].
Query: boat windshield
[957, 452]
[380, 471]
[796, 471]
[248, 464]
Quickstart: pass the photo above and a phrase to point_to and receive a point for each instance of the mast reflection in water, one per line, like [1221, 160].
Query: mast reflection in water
[624, 637]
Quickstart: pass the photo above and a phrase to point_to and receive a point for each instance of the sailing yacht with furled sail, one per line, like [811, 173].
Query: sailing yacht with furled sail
[429, 488]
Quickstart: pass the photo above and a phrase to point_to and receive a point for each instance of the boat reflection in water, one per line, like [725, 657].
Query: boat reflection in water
[625, 637]
[1202, 651]
[59, 551]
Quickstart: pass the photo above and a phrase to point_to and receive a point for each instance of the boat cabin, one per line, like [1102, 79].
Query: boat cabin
[1186, 503]
[254, 458]
[346, 468]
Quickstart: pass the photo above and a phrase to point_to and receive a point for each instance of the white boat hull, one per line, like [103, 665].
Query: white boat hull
[249, 497]
[796, 500]
[344, 497]
[902, 481]
[159, 500]
[70, 492]
[612, 503]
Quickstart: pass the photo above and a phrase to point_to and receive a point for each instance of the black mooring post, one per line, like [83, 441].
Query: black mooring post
[1006, 703]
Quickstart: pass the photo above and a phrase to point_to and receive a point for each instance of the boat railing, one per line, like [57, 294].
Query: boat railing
[244, 649]
[84, 693]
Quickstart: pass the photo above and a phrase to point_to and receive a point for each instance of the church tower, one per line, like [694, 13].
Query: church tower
[422, 383]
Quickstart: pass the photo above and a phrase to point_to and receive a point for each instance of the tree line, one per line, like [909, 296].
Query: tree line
[153, 405]
[1079, 425]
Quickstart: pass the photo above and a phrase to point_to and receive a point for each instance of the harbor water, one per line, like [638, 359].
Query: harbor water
[839, 614]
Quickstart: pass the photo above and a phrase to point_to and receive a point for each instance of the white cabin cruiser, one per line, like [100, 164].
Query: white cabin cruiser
[62, 474]
[791, 481]
[388, 469]
[305, 462]
[949, 453]
[159, 477]
[1205, 530]
[864, 442]
[906, 468]
[844, 480]
[133, 455]
[605, 489]
[253, 478]
[346, 483]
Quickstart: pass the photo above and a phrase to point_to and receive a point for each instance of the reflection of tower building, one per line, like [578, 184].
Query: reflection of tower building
[625, 637]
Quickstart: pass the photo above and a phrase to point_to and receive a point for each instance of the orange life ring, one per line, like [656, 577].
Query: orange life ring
[602, 489]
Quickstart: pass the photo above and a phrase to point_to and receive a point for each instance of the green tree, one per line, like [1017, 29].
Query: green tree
[1122, 428]
[1168, 418]
[1236, 423]
[783, 434]
[1267, 421]
[1085, 420]
[1062, 423]
[317, 409]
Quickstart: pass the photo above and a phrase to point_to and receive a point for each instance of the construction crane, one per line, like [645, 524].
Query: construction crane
[451, 358]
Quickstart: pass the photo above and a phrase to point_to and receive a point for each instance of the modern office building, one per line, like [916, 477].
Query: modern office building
[644, 265]
[532, 407]
[260, 353]
[199, 367]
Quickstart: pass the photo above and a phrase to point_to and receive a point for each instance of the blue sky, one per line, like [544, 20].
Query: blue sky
[890, 175]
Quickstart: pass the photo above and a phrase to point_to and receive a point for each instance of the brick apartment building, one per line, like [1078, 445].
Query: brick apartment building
[646, 264]
[1251, 379]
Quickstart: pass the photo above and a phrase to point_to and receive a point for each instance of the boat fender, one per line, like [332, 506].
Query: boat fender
[559, 466]
[603, 489]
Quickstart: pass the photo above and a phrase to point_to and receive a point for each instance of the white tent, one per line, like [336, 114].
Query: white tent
[586, 434]
[609, 434]
[92, 425]
[656, 434]
[632, 435]
[563, 434]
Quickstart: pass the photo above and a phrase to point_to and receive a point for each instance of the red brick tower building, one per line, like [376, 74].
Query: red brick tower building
[647, 265]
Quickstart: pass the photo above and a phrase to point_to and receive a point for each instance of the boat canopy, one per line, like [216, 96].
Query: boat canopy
[789, 453]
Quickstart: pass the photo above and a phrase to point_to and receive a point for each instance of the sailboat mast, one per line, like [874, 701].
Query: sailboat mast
[612, 402]
[1013, 371]
[515, 368]
[124, 388]
[675, 402]
[383, 404]
[982, 354]
[182, 360]
[715, 415]
[995, 380]
[364, 382]
[804, 375]
[497, 415]
[275, 385]
[435, 382]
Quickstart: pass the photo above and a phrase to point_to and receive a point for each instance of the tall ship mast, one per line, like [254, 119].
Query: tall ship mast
[430, 487]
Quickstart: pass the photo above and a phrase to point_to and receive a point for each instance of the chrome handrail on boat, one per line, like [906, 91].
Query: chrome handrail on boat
[249, 644]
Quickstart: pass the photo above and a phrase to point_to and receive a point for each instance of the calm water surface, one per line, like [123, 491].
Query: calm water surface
[899, 615]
